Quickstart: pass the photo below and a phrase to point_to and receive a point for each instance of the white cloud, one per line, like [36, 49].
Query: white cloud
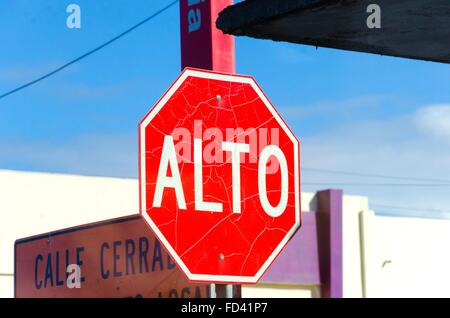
[397, 147]
[435, 120]
[75, 91]
[96, 154]
[23, 73]
[66, 89]
[334, 107]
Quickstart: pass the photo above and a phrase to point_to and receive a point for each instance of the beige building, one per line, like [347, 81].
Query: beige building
[381, 256]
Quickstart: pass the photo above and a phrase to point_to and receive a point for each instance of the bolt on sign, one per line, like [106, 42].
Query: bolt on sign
[113, 258]
[219, 176]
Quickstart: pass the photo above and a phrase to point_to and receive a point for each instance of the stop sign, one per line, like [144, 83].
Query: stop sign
[219, 176]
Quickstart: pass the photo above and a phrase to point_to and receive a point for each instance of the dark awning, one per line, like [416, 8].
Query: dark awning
[418, 29]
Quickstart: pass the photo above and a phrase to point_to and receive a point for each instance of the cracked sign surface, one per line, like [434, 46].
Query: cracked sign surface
[219, 177]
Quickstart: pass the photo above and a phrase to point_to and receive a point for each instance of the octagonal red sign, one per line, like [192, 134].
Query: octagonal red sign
[219, 176]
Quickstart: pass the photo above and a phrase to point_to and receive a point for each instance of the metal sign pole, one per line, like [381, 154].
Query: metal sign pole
[224, 290]
[204, 46]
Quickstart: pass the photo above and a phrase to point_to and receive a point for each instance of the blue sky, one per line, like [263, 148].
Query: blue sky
[352, 111]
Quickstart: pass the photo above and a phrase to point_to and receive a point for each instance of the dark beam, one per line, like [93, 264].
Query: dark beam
[418, 29]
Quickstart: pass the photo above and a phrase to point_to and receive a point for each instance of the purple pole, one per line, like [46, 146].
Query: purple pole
[329, 230]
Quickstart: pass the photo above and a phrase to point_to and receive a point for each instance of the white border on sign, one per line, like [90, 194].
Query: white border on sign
[143, 204]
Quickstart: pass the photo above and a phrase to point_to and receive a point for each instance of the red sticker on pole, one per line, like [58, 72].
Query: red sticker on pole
[219, 177]
[202, 44]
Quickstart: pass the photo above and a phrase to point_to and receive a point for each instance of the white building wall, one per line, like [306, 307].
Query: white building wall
[351, 268]
[33, 203]
[382, 256]
[280, 291]
[6, 285]
[409, 257]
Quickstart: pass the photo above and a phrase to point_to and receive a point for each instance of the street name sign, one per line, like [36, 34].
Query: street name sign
[115, 258]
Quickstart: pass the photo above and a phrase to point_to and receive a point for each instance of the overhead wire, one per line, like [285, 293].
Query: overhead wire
[372, 175]
[83, 56]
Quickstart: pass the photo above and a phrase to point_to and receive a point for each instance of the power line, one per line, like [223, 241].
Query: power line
[395, 207]
[357, 174]
[91, 51]
[379, 184]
